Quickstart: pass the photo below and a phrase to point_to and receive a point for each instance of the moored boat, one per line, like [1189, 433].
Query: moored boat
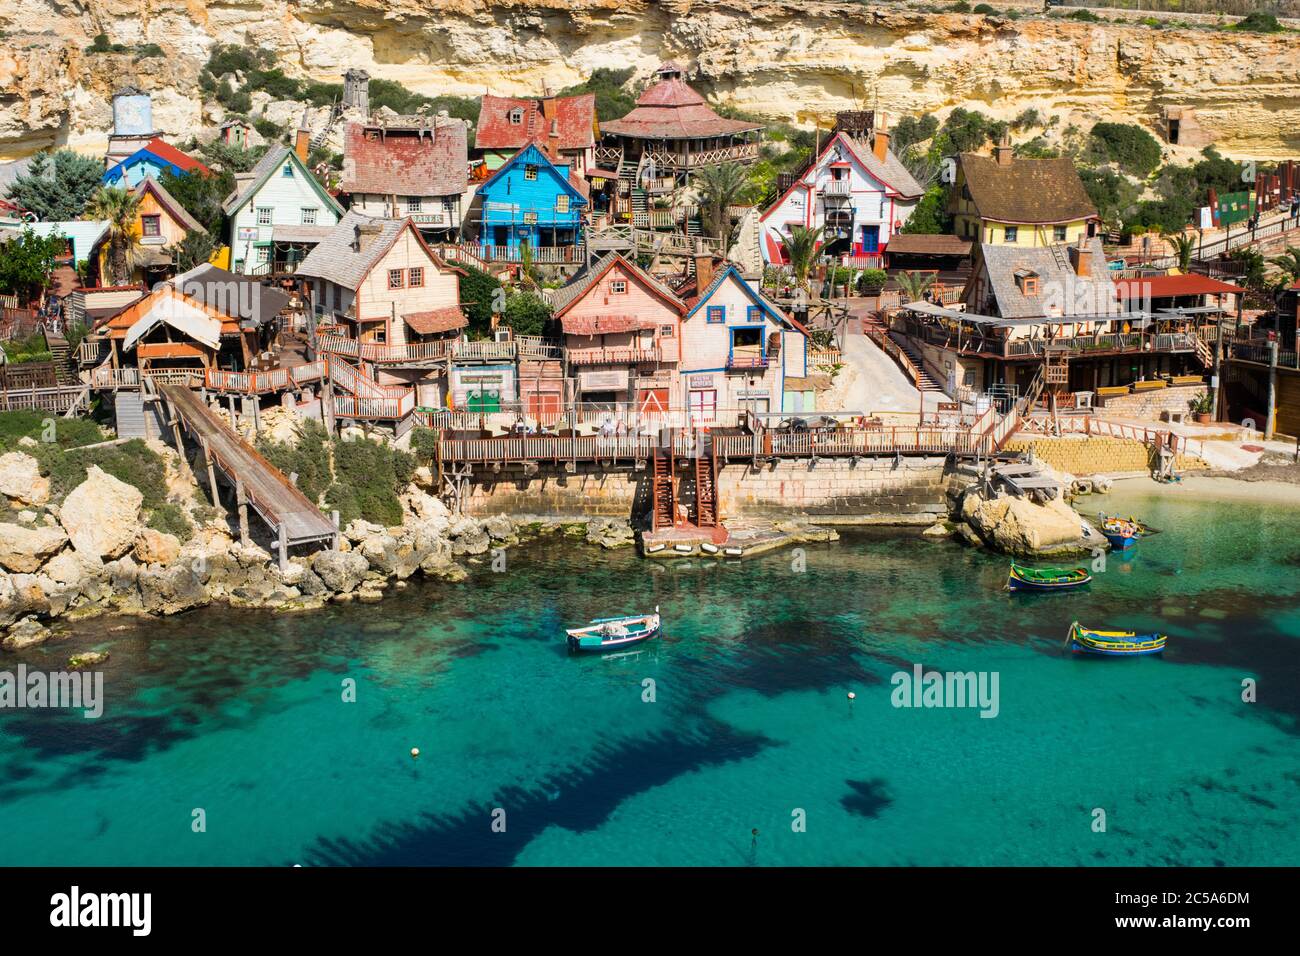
[1083, 640]
[606, 633]
[1021, 578]
[1143, 530]
[1120, 532]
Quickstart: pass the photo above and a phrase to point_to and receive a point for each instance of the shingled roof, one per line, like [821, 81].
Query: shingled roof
[336, 258]
[672, 110]
[574, 120]
[405, 161]
[563, 298]
[1058, 283]
[1041, 191]
[168, 202]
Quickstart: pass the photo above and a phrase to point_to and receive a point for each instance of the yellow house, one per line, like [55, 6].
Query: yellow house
[1007, 200]
[160, 223]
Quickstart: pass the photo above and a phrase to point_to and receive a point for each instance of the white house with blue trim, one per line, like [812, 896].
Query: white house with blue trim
[739, 351]
[278, 212]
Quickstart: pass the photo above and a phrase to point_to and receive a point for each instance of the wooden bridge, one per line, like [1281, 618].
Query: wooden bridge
[290, 514]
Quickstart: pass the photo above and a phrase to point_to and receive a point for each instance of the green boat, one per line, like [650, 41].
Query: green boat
[1022, 578]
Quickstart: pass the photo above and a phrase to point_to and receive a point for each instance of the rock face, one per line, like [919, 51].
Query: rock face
[155, 547]
[21, 481]
[102, 515]
[1018, 526]
[25, 549]
[782, 59]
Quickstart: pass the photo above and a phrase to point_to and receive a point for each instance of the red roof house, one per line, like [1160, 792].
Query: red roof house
[563, 126]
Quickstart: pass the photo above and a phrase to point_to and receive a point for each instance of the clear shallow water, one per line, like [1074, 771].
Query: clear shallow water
[241, 714]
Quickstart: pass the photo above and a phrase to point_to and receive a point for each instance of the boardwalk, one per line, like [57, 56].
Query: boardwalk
[290, 515]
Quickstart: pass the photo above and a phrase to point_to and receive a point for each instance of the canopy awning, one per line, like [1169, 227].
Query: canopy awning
[181, 315]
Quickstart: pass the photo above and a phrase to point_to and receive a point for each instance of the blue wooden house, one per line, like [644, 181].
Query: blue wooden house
[150, 162]
[532, 200]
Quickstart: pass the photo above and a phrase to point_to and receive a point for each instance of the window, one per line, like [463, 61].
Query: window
[309, 215]
[530, 218]
[1010, 233]
[395, 279]
[412, 203]
[754, 314]
[562, 202]
[667, 332]
[516, 116]
[287, 172]
[618, 287]
[716, 313]
[1058, 233]
[530, 172]
[151, 226]
[263, 215]
[415, 277]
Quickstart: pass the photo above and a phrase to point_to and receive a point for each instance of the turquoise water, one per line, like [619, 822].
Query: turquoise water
[241, 714]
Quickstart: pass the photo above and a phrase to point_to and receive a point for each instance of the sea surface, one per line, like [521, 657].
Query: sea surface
[229, 737]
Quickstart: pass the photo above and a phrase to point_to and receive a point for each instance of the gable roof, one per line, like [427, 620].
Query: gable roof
[533, 154]
[161, 152]
[890, 171]
[405, 161]
[336, 260]
[695, 302]
[1081, 295]
[1035, 191]
[1161, 287]
[574, 119]
[212, 299]
[244, 298]
[181, 313]
[248, 184]
[672, 110]
[567, 296]
[169, 203]
[925, 244]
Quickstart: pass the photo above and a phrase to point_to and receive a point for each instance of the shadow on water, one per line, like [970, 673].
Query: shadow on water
[579, 800]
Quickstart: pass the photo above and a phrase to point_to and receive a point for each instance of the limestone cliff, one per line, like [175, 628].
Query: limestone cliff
[790, 60]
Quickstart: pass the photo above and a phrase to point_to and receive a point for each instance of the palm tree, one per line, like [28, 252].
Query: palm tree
[719, 188]
[801, 248]
[914, 285]
[1288, 264]
[1184, 245]
[120, 208]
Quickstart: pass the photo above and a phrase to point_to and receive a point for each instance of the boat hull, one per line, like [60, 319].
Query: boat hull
[1019, 580]
[1114, 643]
[1120, 542]
[600, 636]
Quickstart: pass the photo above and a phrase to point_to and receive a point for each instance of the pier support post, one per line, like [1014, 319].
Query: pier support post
[283, 544]
[334, 517]
[241, 501]
[212, 476]
[1272, 389]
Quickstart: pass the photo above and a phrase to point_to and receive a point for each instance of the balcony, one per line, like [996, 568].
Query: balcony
[746, 361]
[837, 189]
[739, 153]
[613, 356]
[383, 353]
[542, 255]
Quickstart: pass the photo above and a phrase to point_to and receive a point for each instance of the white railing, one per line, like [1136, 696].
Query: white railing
[613, 356]
[355, 406]
[384, 353]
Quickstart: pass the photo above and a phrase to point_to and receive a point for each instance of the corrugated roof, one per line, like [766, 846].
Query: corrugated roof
[575, 121]
[168, 152]
[672, 110]
[1040, 191]
[405, 161]
[335, 258]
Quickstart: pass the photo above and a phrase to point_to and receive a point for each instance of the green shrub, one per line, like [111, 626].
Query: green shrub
[170, 518]
[1131, 147]
[132, 462]
[367, 478]
[309, 458]
[67, 432]
[1087, 16]
[984, 9]
[148, 50]
[269, 130]
[873, 280]
[1259, 22]
[424, 444]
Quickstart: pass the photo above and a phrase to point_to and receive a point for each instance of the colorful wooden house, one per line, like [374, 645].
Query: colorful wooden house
[278, 212]
[415, 168]
[739, 350]
[622, 329]
[856, 191]
[151, 161]
[160, 224]
[535, 203]
[564, 125]
[396, 301]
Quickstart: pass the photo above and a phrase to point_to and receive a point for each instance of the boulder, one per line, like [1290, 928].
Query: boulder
[102, 515]
[156, 547]
[939, 529]
[500, 528]
[20, 595]
[26, 549]
[341, 571]
[171, 590]
[87, 659]
[28, 632]
[73, 567]
[21, 481]
[610, 533]
[1018, 526]
[359, 529]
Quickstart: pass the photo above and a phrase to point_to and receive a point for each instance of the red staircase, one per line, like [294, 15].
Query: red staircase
[663, 502]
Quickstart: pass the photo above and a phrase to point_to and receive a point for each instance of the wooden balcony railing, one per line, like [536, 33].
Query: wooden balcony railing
[613, 356]
[740, 362]
[383, 353]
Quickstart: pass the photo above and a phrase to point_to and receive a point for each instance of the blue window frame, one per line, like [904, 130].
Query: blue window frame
[716, 313]
[754, 315]
[287, 172]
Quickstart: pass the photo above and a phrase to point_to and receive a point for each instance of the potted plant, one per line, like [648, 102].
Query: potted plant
[1201, 406]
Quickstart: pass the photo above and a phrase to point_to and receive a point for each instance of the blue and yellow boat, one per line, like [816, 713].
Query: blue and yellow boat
[1084, 640]
[1120, 532]
[1021, 578]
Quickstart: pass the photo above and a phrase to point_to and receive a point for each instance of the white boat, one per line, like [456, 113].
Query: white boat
[607, 633]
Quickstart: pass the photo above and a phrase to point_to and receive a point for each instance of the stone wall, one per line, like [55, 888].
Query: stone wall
[1150, 406]
[876, 489]
[1097, 455]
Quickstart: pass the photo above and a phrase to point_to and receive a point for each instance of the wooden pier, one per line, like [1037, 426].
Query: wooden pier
[291, 516]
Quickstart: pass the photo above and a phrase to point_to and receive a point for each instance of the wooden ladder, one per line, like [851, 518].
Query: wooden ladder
[663, 502]
[706, 490]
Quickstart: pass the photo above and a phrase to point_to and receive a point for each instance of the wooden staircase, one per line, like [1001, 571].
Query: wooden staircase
[706, 488]
[924, 381]
[663, 503]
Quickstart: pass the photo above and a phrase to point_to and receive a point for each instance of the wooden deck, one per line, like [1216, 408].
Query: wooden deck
[291, 516]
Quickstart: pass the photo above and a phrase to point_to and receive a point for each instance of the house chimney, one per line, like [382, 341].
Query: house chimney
[880, 143]
[703, 272]
[302, 139]
[1002, 152]
[1081, 259]
[364, 234]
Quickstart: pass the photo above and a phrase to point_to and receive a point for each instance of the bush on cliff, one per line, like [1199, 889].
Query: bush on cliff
[367, 478]
[309, 458]
[169, 518]
[38, 426]
[1129, 146]
[133, 462]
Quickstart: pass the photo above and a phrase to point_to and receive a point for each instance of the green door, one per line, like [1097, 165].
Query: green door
[486, 401]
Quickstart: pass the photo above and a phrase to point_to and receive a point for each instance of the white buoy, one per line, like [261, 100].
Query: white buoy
[415, 752]
[852, 696]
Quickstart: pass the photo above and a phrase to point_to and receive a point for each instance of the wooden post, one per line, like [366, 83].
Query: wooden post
[1218, 369]
[283, 543]
[1272, 389]
[241, 501]
[334, 517]
[212, 475]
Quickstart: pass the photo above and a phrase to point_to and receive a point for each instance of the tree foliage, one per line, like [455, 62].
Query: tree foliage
[720, 187]
[931, 214]
[26, 262]
[526, 313]
[1129, 146]
[57, 186]
[201, 195]
[120, 208]
[479, 294]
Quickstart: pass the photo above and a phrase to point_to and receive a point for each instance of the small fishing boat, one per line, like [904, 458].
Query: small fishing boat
[1143, 530]
[1083, 640]
[607, 633]
[1121, 533]
[1022, 578]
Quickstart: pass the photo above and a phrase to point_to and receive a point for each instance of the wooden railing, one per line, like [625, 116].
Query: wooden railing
[547, 448]
[613, 356]
[354, 406]
[824, 358]
[383, 353]
[1088, 425]
[362, 385]
[894, 351]
[93, 351]
[484, 350]
[261, 382]
[537, 348]
[543, 255]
